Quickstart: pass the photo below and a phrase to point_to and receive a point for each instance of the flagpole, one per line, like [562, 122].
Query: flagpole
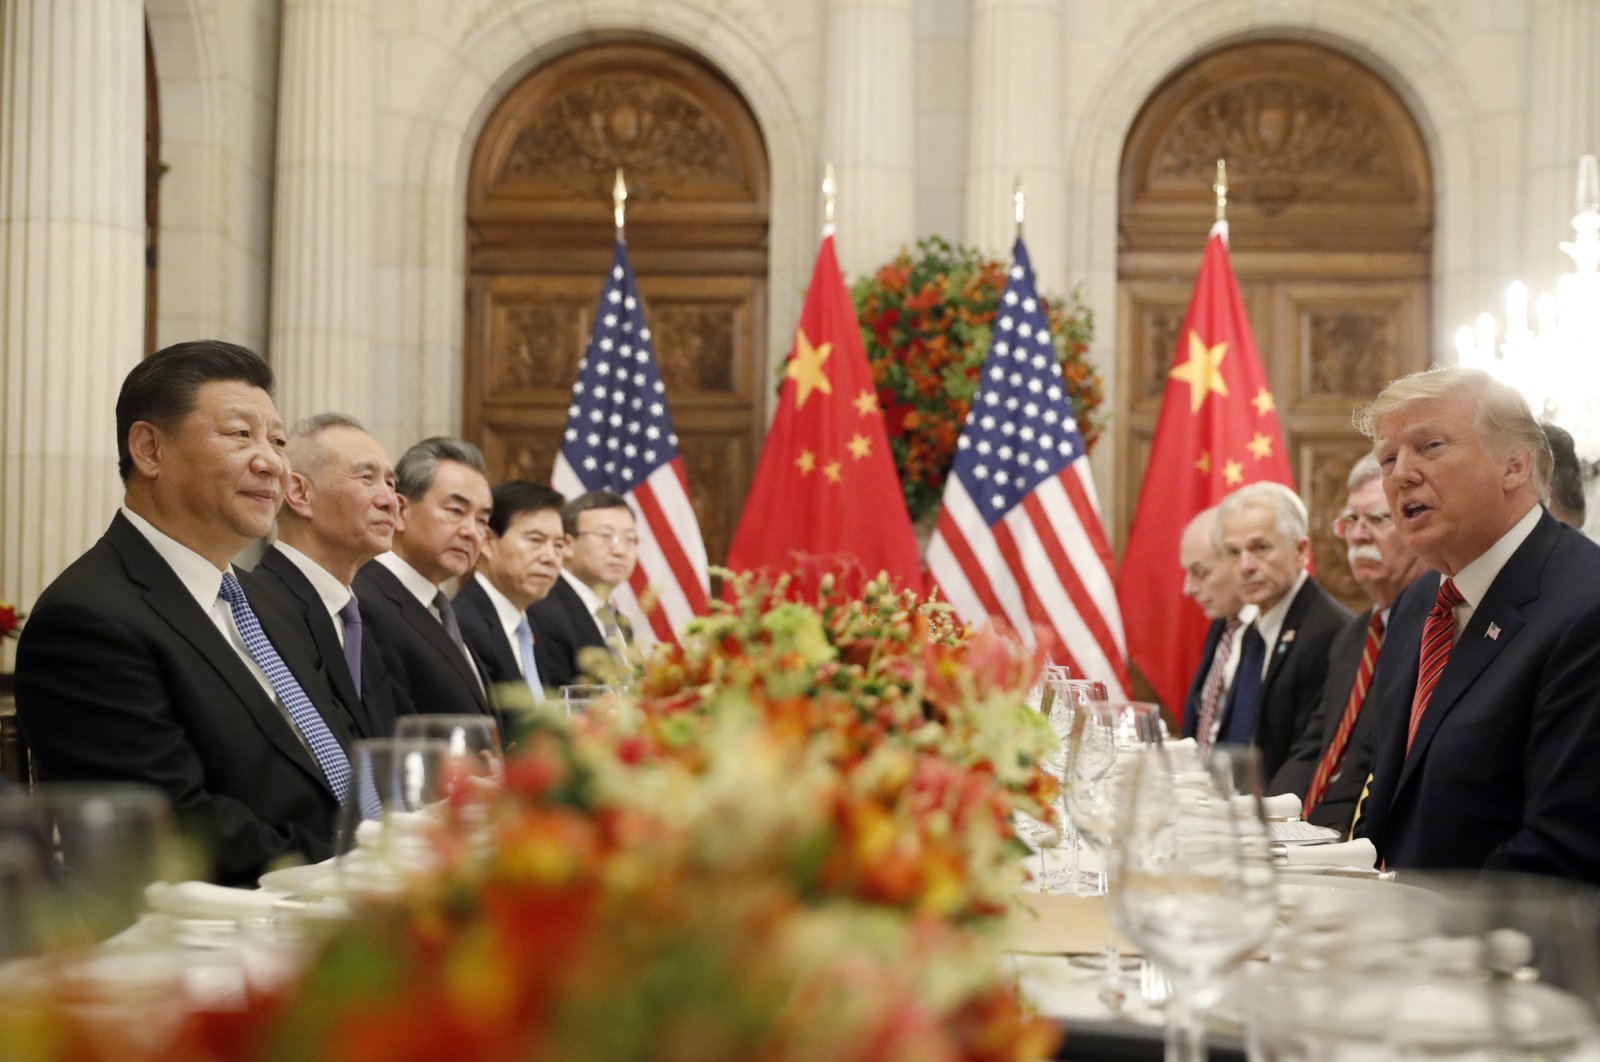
[1221, 188]
[829, 193]
[1018, 205]
[619, 200]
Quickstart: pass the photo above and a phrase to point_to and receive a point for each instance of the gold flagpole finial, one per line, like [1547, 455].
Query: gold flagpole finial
[1018, 204]
[1221, 188]
[619, 198]
[830, 192]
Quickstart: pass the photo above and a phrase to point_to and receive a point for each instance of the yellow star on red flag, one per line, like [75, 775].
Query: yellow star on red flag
[1203, 371]
[831, 470]
[1233, 473]
[1263, 402]
[1204, 463]
[806, 461]
[866, 403]
[805, 368]
[1261, 446]
[860, 446]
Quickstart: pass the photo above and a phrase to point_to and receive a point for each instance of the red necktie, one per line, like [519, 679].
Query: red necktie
[1211, 693]
[1334, 753]
[1438, 636]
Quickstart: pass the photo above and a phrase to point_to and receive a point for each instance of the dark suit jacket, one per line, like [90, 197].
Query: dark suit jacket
[1197, 685]
[420, 656]
[1338, 805]
[562, 625]
[481, 630]
[1502, 773]
[378, 703]
[122, 676]
[1295, 673]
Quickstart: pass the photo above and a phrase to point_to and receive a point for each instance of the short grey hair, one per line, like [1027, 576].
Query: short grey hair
[1363, 472]
[1504, 420]
[1288, 511]
[417, 467]
[305, 454]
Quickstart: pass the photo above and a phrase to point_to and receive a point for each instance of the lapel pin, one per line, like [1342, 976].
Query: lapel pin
[1286, 637]
[1493, 633]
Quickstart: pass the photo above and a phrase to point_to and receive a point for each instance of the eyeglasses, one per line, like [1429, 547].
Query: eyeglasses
[613, 538]
[1345, 523]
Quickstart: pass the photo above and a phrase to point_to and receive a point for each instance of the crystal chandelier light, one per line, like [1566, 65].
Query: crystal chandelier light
[1556, 364]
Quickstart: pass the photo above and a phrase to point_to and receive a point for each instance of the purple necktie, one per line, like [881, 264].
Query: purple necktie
[351, 615]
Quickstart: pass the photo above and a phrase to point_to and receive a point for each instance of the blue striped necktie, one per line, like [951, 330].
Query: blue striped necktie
[325, 748]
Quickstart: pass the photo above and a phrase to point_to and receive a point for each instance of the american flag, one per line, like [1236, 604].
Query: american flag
[619, 438]
[1019, 535]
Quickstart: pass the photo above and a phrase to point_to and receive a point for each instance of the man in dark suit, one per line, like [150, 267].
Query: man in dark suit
[146, 661]
[444, 514]
[1211, 582]
[602, 550]
[1489, 682]
[339, 511]
[521, 561]
[1290, 621]
[1328, 765]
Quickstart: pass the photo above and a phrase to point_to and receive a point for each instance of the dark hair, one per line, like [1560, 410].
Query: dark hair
[521, 496]
[594, 499]
[1566, 477]
[414, 472]
[161, 389]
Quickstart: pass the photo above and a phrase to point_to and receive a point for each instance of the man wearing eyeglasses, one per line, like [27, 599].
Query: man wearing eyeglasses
[1290, 621]
[602, 541]
[1329, 762]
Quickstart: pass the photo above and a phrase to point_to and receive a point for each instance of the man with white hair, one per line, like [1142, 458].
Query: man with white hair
[1210, 581]
[1329, 762]
[1488, 687]
[1290, 621]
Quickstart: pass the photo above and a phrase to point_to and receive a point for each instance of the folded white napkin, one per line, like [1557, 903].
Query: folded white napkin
[1357, 853]
[201, 899]
[1282, 806]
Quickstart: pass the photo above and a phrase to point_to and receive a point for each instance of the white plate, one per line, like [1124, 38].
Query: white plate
[316, 879]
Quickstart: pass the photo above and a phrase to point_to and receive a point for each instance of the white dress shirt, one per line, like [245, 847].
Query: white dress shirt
[334, 594]
[1269, 624]
[1473, 581]
[508, 614]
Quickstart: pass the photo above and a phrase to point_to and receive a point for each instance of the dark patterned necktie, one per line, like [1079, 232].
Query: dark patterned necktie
[1211, 694]
[350, 615]
[1244, 700]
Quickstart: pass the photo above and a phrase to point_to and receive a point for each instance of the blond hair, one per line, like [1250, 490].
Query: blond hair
[1504, 421]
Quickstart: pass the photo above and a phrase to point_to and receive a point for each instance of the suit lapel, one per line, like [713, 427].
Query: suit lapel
[427, 625]
[1505, 604]
[174, 606]
[1284, 647]
[320, 624]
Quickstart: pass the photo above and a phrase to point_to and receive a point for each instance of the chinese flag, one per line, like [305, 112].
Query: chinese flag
[826, 485]
[1218, 430]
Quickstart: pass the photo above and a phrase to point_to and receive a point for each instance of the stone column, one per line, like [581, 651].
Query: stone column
[1015, 128]
[1563, 124]
[322, 231]
[868, 130]
[71, 274]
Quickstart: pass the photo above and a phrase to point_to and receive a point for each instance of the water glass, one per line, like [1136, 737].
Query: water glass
[408, 816]
[1195, 886]
[579, 698]
[473, 739]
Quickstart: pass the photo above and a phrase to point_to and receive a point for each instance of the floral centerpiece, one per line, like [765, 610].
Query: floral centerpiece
[793, 843]
[10, 620]
[925, 321]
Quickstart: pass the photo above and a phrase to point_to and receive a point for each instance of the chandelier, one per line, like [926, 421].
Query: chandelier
[1556, 362]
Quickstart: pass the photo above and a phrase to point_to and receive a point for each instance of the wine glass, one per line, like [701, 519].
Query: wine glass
[578, 698]
[406, 819]
[1104, 735]
[1065, 698]
[472, 738]
[1195, 884]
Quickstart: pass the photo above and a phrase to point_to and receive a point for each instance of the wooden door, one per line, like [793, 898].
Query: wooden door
[540, 232]
[1330, 207]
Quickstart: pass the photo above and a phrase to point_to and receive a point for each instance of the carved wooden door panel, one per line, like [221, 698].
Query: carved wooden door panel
[540, 240]
[1331, 218]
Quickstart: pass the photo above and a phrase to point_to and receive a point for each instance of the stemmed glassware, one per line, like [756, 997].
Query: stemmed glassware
[1064, 699]
[475, 739]
[1106, 736]
[1195, 886]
